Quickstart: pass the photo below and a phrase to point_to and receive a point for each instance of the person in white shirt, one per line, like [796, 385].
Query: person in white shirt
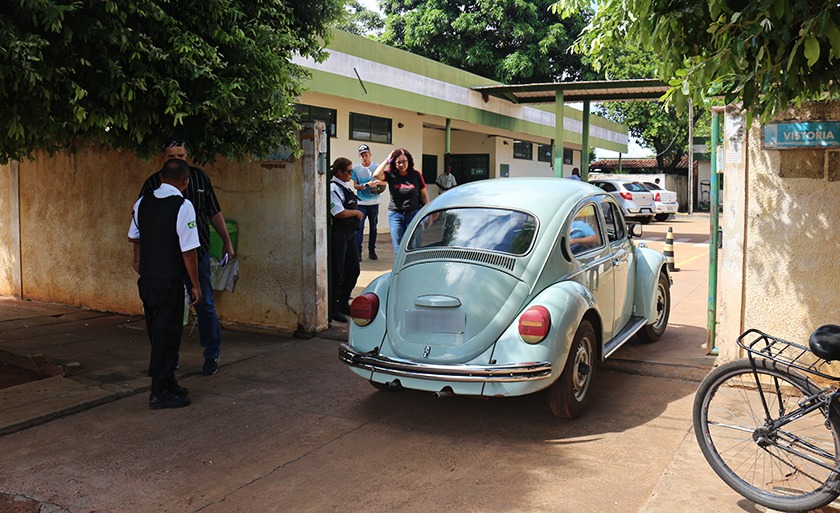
[446, 181]
[164, 232]
[368, 190]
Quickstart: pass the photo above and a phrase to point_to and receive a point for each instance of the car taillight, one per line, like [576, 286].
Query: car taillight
[534, 324]
[626, 195]
[363, 309]
[656, 197]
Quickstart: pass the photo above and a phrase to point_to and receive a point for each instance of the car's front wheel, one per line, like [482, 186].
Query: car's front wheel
[653, 332]
[568, 396]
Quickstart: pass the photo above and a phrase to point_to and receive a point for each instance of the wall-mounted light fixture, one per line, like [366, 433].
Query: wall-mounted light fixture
[400, 125]
[505, 143]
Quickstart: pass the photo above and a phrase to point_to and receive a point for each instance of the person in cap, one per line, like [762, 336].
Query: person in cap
[201, 195]
[368, 190]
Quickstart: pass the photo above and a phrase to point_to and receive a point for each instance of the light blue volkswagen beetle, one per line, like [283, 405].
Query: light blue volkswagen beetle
[507, 287]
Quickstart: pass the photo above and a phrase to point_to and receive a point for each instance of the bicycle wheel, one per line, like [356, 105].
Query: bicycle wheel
[770, 467]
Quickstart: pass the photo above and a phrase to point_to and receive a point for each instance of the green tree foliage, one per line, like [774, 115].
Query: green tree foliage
[130, 73]
[657, 125]
[360, 20]
[511, 41]
[764, 53]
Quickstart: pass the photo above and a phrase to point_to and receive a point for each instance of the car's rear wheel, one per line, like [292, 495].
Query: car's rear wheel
[646, 219]
[653, 332]
[569, 395]
[662, 217]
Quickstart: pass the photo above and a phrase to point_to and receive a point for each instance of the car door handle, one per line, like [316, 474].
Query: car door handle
[616, 262]
[437, 301]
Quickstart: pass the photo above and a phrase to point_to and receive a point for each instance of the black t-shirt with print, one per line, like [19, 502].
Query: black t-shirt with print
[405, 190]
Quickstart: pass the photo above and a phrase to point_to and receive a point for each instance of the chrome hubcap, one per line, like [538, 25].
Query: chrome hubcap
[660, 307]
[582, 369]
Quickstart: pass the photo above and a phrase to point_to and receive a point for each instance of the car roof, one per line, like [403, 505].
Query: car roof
[540, 196]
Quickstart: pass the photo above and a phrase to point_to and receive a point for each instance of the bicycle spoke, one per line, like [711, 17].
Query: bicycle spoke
[787, 462]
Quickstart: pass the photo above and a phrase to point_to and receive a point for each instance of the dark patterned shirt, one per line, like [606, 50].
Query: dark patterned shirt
[200, 193]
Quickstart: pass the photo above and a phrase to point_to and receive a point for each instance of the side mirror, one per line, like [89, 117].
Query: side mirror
[635, 230]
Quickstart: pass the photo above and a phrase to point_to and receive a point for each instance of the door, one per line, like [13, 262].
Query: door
[470, 167]
[589, 247]
[622, 256]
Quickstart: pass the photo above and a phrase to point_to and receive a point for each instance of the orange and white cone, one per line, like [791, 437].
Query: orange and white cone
[669, 250]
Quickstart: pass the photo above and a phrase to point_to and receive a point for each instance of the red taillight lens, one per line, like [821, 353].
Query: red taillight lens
[534, 324]
[626, 195]
[363, 309]
[656, 197]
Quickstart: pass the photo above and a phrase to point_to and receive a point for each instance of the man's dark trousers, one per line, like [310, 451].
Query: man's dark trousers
[163, 305]
[345, 265]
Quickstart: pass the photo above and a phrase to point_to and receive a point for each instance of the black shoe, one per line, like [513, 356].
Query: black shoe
[173, 387]
[337, 316]
[211, 366]
[167, 399]
[178, 362]
[372, 255]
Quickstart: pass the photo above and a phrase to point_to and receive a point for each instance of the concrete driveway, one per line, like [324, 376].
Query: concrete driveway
[284, 426]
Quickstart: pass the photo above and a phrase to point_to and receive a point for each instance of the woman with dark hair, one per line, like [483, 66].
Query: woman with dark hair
[345, 216]
[408, 192]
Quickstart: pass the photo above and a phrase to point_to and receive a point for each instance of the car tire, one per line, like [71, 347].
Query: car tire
[646, 219]
[662, 217]
[653, 332]
[569, 395]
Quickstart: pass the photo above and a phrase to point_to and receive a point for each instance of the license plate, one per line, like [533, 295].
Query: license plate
[435, 321]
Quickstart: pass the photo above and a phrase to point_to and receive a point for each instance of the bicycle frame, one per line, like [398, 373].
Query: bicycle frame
[774, 349]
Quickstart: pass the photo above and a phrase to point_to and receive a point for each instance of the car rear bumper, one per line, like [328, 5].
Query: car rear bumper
[527, 371]
[666, 208]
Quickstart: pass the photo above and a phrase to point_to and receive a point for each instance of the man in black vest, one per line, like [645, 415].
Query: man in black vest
[344, 254]
[163, 230]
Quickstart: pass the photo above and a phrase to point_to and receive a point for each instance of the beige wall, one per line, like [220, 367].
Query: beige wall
[785, 244]
[75, 212]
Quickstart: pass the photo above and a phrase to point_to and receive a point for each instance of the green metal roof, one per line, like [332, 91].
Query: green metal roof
[597, 91]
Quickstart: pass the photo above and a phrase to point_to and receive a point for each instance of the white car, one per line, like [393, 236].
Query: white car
[665, 201]
[635, 200]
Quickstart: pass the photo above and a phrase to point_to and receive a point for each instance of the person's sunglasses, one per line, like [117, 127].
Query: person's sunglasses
[173, 142]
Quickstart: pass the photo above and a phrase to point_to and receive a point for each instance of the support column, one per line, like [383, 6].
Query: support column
[313, 230]
[558, 134]
[584, 152]
[14, 203]
[448, 136]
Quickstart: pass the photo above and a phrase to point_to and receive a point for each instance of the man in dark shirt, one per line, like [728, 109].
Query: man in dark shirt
[200, 193]
[163, 230]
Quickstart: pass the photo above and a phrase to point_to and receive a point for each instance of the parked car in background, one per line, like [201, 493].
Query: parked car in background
[508, 287]
[664, 200]
[635, 200]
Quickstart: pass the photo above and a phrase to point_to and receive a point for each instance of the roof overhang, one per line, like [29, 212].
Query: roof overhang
[596, 91]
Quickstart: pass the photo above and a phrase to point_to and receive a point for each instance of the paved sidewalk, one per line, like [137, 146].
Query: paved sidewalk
[642, 455]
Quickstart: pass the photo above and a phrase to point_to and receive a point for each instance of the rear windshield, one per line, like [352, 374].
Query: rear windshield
[652, 186]
[507, 231]
[635, 187]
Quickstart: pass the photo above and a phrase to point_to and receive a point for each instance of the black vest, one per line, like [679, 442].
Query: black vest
[160, 248]
[346, 224]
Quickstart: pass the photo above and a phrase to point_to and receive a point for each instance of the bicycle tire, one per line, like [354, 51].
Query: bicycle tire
[728, 411]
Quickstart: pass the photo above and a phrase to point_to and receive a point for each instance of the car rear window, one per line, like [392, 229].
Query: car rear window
[652, 186]
[634, 187]
[507, 231]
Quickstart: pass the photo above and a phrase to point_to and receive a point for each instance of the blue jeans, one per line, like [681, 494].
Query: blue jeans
[371, 212]
[398, 222]
[209, 331]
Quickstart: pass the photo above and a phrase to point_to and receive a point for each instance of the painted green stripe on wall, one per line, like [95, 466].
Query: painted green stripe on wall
[345, 87]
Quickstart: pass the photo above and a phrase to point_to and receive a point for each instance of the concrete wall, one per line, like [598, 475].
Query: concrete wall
[74, 215]
[781, 239]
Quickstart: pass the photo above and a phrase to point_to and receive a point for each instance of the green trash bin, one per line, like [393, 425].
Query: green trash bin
[216, 245]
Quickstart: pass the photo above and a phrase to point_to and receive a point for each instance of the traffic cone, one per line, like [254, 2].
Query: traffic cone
[669, 250]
